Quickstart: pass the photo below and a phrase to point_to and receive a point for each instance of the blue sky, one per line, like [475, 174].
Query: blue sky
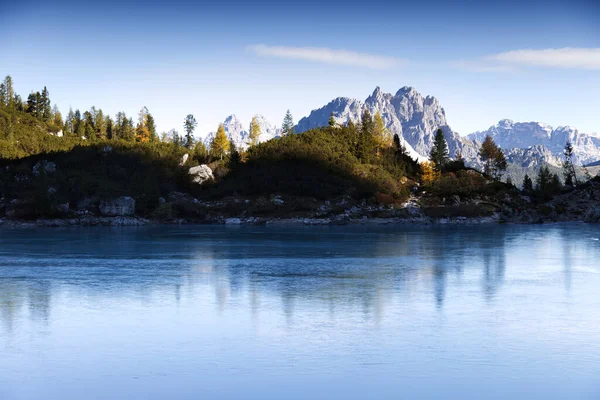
[484, 61]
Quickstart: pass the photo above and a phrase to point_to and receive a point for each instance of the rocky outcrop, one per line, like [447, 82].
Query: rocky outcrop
[240, 136]
[201, 174]
[414, 118]
[524, 135]
[119, 207]
[184, 159]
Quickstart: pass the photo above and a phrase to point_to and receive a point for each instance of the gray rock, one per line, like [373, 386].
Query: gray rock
[233, 221]
[119, 207]
[184, 159]
[278, 201]
[107, 149]
[201, 174]
[48, 167]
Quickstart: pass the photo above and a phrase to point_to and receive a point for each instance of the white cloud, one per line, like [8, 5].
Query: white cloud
[481, 66]
[568, 57]
[328, 56]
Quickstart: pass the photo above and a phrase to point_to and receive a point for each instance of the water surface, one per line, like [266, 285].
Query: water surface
[491, 312]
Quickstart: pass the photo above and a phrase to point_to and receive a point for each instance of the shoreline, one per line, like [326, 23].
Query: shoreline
[271, 221]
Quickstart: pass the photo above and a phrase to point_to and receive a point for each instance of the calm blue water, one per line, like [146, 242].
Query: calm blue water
[491, 312]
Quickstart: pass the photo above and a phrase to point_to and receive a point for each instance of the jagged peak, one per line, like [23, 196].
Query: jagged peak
[406, 90]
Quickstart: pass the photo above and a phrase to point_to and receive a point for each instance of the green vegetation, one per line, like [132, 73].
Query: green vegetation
[98, 157]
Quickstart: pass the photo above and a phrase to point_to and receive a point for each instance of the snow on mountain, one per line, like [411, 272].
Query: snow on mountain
[509, 134]
[414, 118]
[240, 136]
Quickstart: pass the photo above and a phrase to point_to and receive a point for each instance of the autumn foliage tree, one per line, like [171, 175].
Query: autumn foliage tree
[255, 131]
[220, 145]
[382, 135]
[493, 158]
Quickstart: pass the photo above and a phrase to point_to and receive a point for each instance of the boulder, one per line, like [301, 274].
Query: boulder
[184, 159]
[119, 207]
[48, 167]
[201, 174]
[278, 201]
[592, 214]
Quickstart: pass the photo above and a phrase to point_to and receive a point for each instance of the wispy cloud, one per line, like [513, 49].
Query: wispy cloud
[328, 56]
[568, 57]
[481, 66]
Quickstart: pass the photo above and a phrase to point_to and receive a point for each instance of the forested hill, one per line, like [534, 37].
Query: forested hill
[90, 164]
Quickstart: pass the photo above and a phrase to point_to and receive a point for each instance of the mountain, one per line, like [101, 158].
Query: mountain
[509, 134]
[239, 136]
[415, 119]
[407, 113]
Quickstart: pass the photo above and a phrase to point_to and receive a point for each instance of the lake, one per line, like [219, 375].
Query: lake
[354, 312]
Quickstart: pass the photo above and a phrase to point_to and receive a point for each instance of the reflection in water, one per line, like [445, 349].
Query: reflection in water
[334, 269]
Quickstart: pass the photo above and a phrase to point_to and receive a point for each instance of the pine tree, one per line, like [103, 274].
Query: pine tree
[220, 144]
[78, 124]
[200, 152]
[9, 93]
[109, 128]
[439, 152]
[331, 122]
[287, 127]
[45, 105]
[568, 166]
[255, 131]
[234, 157]
[3, 95]
[527, 184]
[70, 123]
[33, 103]
[367, 144]
[189, 125]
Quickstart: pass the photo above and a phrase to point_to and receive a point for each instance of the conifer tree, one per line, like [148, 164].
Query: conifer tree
[331, 123]
[255, 131]
[234, 156]
[7, 92]
[367, 144]
[200, 152]
[189, 124]
[3, 95]
[45, 105]
[109, 128]
[287, 128]
[439, 151]
[220, 144]
[527, 184]
[568, 166]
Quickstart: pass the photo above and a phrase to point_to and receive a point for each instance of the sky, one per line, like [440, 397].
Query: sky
[484, 61]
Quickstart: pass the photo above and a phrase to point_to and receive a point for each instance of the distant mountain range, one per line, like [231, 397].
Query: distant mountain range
[416, 118]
